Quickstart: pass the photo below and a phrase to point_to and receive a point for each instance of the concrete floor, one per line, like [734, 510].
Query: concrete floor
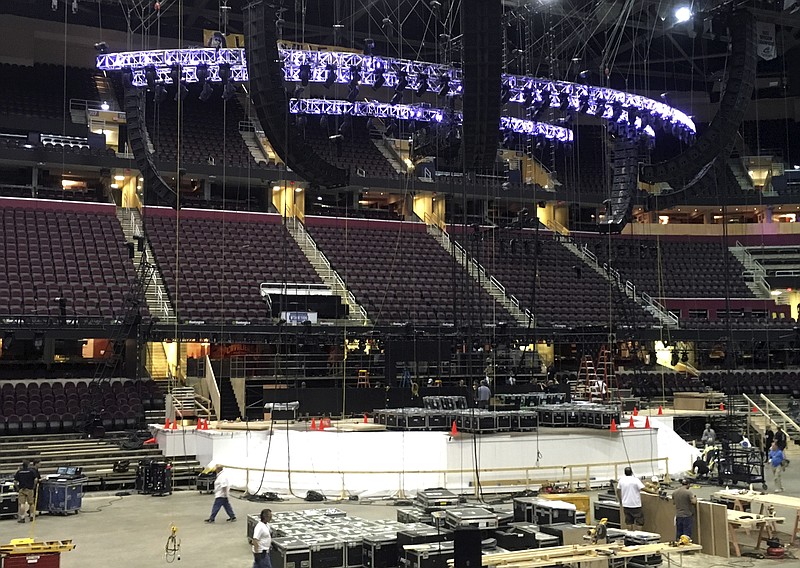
[131, 532]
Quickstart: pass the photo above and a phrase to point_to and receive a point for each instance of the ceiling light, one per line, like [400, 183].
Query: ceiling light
[683, 14]
[775, 292]
[119, 178]
[114, 186]
[104, 106]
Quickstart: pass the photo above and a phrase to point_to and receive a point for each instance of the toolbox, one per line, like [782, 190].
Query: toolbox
[380, 550]
[470, 517]
[288, 552]
[436, 499]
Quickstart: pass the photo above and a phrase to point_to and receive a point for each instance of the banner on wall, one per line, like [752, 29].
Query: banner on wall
[766, 41]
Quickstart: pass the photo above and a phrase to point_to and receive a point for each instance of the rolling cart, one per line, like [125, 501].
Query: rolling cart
[741, 464]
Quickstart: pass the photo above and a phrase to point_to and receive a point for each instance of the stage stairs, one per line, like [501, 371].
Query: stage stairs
[771, 410]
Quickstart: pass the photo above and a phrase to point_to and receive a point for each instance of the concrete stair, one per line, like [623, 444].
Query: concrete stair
[156, 361]
[644, 300]
[155, 294]
[357, 314]
[481, 276]
[390, 156]
[753, 273]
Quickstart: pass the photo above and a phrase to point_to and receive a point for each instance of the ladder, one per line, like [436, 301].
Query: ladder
[606, 384]
[587, 378]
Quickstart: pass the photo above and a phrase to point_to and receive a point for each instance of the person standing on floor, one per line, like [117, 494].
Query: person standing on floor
[780, 439]
[629, 490]
[484, 394]
[262, 540]
[769, 437]
[709, 437]
[25, 481]
[776, 460]
[222, 488]
[684, 510]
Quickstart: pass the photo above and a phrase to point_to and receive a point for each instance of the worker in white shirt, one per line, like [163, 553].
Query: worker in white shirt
[262, 541]
[629, 490]
[222, 488]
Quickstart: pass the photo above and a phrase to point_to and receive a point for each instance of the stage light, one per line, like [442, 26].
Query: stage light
[402, 80]
[104, 106]
[528, 97]
[380, 79]
[54, 5]
[101, 47]
[683, 14]
[505, 93]
[160, 93]
[352, 93]
[444, 84]
[207, 92]
[305, 74]
[369, 45]
[422, 84]
[330, 78]
[150, 77]
[563, 101]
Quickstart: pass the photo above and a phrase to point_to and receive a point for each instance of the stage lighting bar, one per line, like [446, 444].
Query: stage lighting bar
[588, 99]
[420, 113]
[163, 60]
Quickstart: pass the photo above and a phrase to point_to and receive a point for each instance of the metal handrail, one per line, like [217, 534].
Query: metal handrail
[781, 413]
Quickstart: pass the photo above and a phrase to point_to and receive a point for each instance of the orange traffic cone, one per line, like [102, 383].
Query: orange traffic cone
[166, 423]
[722, 406]
[635, 411]
[205, 424]
[613, 425]
[199, 425]
[647, 422]
[150, 441]
[660, 410]
[366, 421]
[313, 423]
[175, 425]
[453, 430]
[630, 424]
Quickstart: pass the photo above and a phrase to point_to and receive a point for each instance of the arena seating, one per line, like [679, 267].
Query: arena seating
[65, 406]
[584, 170]
[568, 292]
[354, 150]
[361, 213]
[206, 125]
[648, 384]
[72, 251]
[688, 267]
[38, 90]
[399, 273]
[224, 258]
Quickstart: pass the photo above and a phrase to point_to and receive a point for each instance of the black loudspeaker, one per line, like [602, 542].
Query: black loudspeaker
[272, 107]
[154, 184]
[690, 166]
[467, 548]
[315, 496]
[624, 185]
[481, 69]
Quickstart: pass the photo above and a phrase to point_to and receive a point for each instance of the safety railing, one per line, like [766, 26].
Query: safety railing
[474, 265]
[59, 140]
[557, 227]
[210, 380]
[331, 273]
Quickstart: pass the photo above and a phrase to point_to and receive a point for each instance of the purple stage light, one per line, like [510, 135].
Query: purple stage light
[420, 113]
[189, 60]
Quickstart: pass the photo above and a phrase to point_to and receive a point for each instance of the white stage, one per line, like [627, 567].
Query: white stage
[387, 463]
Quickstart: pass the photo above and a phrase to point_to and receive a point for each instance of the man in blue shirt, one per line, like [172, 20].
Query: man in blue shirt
[776, 461]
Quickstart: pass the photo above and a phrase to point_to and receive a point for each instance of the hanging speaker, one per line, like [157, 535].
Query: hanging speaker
[687, 167]
[272, 107]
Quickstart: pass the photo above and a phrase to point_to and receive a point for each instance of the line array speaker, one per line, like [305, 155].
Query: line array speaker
[717, 142]
[481, 69]
[467, 548]
[624, 185]
[154, 185]
[272, 107]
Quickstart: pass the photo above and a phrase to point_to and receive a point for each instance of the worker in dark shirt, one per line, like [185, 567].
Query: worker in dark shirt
[26, 480]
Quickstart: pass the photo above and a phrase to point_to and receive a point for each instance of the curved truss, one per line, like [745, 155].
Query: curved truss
[421, 114]
[163, 61]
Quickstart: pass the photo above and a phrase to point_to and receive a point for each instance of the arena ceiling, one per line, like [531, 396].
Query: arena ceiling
[633, 44]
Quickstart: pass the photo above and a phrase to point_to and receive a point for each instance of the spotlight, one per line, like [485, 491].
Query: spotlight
[207, 92]
[175, 74]
[527, 96]
[305, 74]
[422, 86]
[683, 14]
[330, 79]
[402, 80]
[202, 73]
[380, 79]
[101, 47]
[160, 93]
[228, 91]
[444, 84]
[225, 71]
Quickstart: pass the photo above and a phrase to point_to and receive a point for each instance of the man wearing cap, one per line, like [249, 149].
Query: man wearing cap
[684, 510]
[222, 488]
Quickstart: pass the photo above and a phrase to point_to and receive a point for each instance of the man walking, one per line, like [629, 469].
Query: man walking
[684, 510]
[262, 541]
[222, 487]
[26, 480]
[776, 460]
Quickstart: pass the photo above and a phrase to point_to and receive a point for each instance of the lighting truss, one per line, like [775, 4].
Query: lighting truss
[163, 60]
[420, 113]
[586, 99]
